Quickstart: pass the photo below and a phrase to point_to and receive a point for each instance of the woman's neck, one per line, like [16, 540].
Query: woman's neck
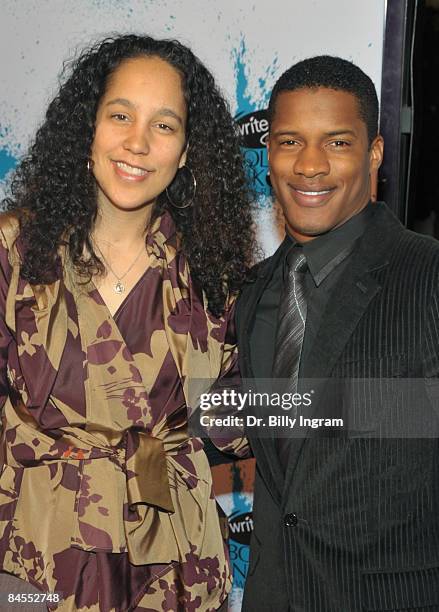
[121, 227]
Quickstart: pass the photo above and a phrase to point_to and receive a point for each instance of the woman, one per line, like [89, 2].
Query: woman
[127, 235]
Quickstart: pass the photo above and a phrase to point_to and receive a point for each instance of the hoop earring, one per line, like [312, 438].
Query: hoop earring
[180, 187]
[90, 164]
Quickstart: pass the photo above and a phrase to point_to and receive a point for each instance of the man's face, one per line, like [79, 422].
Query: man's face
[320, 161]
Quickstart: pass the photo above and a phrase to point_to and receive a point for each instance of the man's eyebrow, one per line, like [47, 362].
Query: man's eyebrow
[338, 132]
[286, 133]
[341, 132]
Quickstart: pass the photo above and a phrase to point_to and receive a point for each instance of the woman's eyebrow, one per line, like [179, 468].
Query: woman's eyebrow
[122, 101]
[161, 111]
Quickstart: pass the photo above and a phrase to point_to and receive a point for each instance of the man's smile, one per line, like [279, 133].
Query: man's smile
[307, 196]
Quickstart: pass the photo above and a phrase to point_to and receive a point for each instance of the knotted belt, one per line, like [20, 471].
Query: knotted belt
[149, 483]
[154, 532]
[141, 455]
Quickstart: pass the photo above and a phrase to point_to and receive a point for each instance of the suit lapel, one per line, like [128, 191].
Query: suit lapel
[354, 294]
[351, 299]
[338, 324]
[263, 448]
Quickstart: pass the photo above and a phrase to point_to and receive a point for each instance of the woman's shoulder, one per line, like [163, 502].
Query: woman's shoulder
[9, 228]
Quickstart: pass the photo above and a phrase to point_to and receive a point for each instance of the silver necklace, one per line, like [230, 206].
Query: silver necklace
[119, 287]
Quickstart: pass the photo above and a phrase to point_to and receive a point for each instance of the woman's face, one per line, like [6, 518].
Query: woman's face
[139, 141]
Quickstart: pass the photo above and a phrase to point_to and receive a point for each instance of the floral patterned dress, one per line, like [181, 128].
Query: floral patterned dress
[104, 497]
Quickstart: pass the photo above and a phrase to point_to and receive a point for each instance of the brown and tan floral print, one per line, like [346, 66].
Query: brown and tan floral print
[104, 497]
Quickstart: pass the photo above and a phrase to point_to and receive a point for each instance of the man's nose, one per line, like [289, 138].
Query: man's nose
[311, 161]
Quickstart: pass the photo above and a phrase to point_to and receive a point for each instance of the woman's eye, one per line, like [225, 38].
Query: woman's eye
[165, 127]
[119, 116]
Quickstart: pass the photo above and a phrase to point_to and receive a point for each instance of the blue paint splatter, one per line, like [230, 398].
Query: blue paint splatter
[7, 162]
[241, 502]
[269, 76]
[243, 98]
[247, 103]
[255, 158]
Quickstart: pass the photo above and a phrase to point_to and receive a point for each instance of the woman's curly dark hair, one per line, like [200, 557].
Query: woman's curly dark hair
[56, 197]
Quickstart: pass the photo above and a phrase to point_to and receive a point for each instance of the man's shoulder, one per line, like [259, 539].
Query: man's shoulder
[259, 268]
[413, 265]
[257, 271]
[418, 250]
[404, 250]
[422, 241]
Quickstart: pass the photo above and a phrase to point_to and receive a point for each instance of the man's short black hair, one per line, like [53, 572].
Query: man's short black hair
[332, 73]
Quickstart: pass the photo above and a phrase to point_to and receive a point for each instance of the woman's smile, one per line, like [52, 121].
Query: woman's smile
[130, 173]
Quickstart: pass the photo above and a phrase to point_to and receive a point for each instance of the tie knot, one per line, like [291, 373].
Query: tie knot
[296, 260]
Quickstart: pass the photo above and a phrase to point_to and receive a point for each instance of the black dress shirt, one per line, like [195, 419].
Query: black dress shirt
[327, 257]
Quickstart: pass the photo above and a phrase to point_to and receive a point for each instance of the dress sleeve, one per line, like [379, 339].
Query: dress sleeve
[5, 335]
[228, 436]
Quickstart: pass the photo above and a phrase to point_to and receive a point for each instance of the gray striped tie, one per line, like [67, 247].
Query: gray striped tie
[290, 331]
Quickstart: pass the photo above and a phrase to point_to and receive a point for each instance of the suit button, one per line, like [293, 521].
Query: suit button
[290, 520]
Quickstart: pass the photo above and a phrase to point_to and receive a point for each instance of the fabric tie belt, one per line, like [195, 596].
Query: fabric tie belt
[143, 459]
[126, 502]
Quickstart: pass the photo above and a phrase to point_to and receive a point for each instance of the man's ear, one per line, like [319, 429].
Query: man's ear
[376, 152]
[375, 161]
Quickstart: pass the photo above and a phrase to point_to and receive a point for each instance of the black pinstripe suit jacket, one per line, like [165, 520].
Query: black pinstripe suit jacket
[367, 532]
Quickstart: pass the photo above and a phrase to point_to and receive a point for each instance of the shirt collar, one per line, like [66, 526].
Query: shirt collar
[326, 252]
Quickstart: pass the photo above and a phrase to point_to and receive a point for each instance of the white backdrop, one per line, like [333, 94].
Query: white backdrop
[246, 43]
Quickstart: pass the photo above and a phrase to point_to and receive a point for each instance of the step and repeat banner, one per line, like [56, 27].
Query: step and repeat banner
[247, 45]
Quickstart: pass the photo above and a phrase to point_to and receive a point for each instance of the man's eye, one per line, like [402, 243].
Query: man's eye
[340, 144]
[289, 142]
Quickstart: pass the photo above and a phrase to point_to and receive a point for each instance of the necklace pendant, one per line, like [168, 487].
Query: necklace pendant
[119, 287]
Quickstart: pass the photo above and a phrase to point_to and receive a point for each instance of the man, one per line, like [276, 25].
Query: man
[346, 522]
